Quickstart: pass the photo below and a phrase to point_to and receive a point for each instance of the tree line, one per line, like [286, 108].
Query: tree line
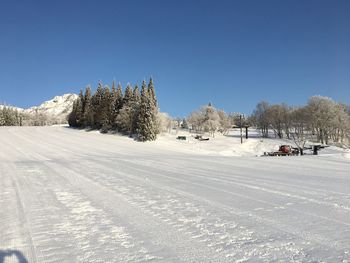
[136, 113]
[322, 119]
[130, 112]
[209, 119]
[11, 116]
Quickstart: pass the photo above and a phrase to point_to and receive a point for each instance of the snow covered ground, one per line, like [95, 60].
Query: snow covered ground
[75, 196]
[230, 145]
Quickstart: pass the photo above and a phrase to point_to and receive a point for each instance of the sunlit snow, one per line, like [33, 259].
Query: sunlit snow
[74, 196]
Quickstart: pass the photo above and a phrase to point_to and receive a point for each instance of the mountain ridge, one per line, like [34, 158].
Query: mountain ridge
[56, 109]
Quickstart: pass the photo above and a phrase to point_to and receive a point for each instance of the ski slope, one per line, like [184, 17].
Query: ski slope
[75, 196]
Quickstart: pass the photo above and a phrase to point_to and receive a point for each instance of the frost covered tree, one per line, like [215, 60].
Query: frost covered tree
[154, 105]
[2, 118]
[165, 121]
[211, 119]
[128, 94]
[326, 117]
[108, 109]
[152, 93]
[105, 110]
[224, 122]
[136, 101]
[119, 98]
[79, 114]
[206, 119]
[147, 128]
[10, 116]
[72, 117]
[88, 114]
[113, 112]
[117, 105]
[124, 119]
[321, 120]
[96, 100]
[126, 116]
[196, 120]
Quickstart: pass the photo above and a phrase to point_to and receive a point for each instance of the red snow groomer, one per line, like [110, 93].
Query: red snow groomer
[284, 150]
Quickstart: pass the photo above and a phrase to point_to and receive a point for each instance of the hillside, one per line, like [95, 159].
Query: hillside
[52, 111]
[58, 106]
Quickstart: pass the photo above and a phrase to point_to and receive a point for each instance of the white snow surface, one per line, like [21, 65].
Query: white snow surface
[74, 196]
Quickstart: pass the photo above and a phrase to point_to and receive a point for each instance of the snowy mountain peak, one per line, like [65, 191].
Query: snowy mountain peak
[54, 111]
[59, 105]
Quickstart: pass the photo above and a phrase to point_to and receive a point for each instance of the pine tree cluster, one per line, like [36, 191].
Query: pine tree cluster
[131, 112]
[10, 117]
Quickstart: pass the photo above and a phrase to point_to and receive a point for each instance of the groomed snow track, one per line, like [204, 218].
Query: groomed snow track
[75, 196]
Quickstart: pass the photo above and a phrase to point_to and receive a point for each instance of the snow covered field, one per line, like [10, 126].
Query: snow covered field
[75, 196]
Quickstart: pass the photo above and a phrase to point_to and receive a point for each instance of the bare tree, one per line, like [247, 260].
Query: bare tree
[261, 118]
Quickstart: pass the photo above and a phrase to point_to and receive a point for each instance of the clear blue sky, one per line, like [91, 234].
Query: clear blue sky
[232, 53]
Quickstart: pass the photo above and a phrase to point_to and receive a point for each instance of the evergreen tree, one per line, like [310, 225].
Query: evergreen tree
[72, 121]
[154, 106]
[152, 93]
[127, 95]
[2, 118]
[88, 115]
[136, 95]
[124, 119]
[119, 98]
[118, 104]
[125, 116]
[136, 101]
[105, 107]
[97, 106]
[112, 106]
[146, 126]
[80, 110]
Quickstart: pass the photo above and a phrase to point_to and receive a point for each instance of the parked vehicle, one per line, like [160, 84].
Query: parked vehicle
[287, 150]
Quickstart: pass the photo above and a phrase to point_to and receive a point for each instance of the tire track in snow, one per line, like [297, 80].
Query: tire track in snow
[22, 213]
[282, 227]
[308, 199]
[235, 181]
[334, 205]
[159, 172]
[76, 150]
[186, 249]
[31, 163]
[80, 221]
[226, 169]
[13, 234]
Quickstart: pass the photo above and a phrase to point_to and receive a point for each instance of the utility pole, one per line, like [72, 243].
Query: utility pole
[240, 124]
